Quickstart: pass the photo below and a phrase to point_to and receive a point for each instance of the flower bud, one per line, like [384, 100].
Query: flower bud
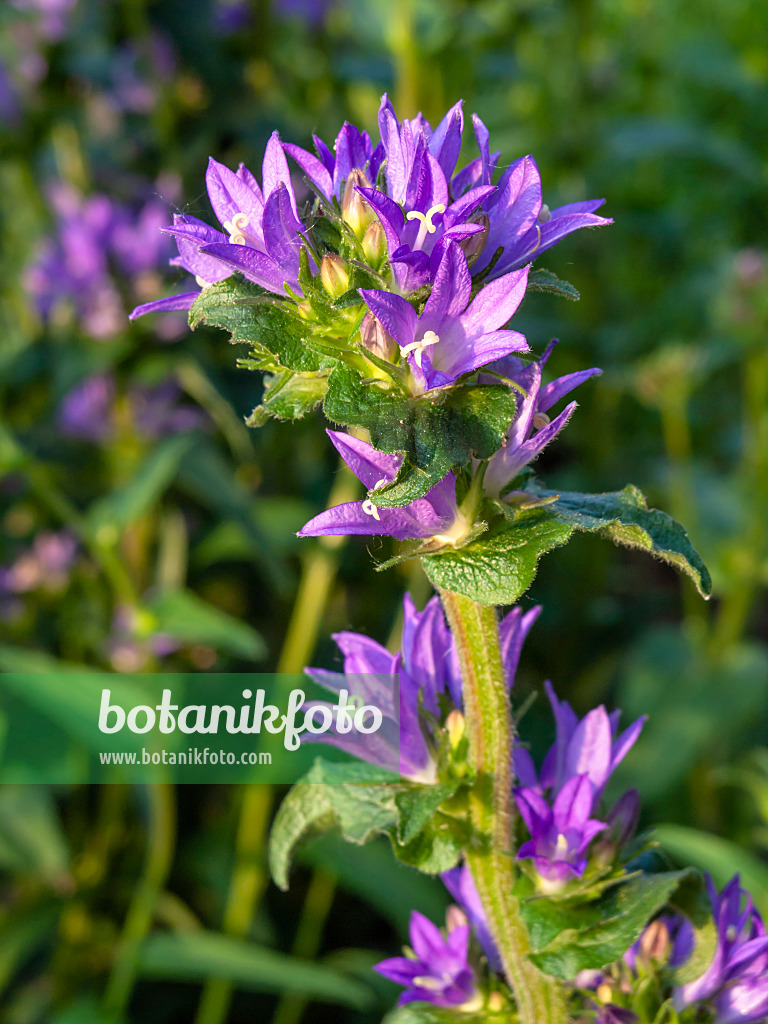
[455, 918]
[654, 942]
[354, 209]
[495, 1002]
[375, 244]
[334, 273]
[544, 214]
[540, 420]
[454, 723]
[474, 244]
[376, 339]
[305, 310]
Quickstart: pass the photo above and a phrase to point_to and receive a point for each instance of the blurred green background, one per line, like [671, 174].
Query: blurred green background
[145, 528]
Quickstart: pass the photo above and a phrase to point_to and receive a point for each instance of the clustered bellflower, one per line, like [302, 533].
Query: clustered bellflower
[427, 669]
[559, 803]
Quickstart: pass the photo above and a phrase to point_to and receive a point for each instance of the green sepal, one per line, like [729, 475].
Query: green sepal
[350, 796]
[436, 431]
[289, 396]
[541, 280]
[568, 938]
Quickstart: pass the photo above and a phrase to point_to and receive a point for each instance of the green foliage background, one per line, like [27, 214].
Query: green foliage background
[661, 107]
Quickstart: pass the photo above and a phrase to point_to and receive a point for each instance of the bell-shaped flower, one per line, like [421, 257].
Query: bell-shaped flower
[560, 833]
[736, 981]
[453, 336]
[329, 170]
[427, 669]
[438, 971]
[518, 222]
[434, 516]
[531, 430]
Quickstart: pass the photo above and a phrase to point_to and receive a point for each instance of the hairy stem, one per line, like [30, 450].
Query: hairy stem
[540, 999]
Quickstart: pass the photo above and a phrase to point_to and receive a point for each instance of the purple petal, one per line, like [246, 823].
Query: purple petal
[314, 169]
[513, 629]
[494, 305]
[573, 804]
[369, 465]
[399, 969]
[564, 224]
[172, 302]
[230, 195]
[255, 265]
[557, 389]
[281, 228]
[445, 143]
[626, 741]
[589, 749]
[396, 316]
[452, 286]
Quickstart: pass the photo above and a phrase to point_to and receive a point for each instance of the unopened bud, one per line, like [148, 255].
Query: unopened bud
[375, 244]
[495, 1002]
[455, 918]
[354, 209]
[544, 214]
[376, 339]
[604, 993]
[654, 942]
[334, 273]
[454, 723]
[474, 244]
[305, 310]
[540, 420]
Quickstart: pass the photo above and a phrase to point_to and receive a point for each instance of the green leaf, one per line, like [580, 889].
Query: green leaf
[199, 955]
[289, 397]
[593, 936]
[25, 931]
[418, 805]
[252, 315]
[31, 839]
[720, 857]
[435, 849]
[541, 280]
[624, 517]
[108, 517]
[436, 431]
[185, 616]
[347, 795]
[705, 943]
[499, 566]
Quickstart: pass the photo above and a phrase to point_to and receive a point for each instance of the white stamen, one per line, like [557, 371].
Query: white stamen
[540, 420]
[426, 218]
[235, 228]
[430, 338]
[544, 214]
[561, 847]
[430, 984]
[538, 243]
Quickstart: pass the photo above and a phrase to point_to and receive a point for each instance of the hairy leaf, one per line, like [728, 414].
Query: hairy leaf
[541, 280]
[289, 396]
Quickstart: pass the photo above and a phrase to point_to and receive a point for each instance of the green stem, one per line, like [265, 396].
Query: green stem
[317, 906]
[540, 999]
[157, 864]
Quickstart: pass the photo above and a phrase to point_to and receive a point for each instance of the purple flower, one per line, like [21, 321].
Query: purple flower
[560, 833]
[45, 564]
[86, 411]
[531, 430]
[518, 222]
[669, 938]
[439, 971]
[435, 516]
[558, 805]
[453, 336]
[352, 151]
[737, 979]
[155, 410]
[230, 16]
[429, 676]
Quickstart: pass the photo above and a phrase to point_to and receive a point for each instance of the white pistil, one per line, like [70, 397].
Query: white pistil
[427, 227]
[201, 281]
[368, 507]
[561, 847]
[236, 227]
[540, 420]
[430, 338]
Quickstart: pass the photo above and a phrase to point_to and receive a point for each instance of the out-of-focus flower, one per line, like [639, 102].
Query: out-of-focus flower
[132, 642]
[51, 16]
[311, 12]
[46, 564]
[438, 971]
[435, 516]
[230, 16]
[155, 410]
[85, 411]
[531, 430]
[668, 939]
[736, 982]
[453, 336]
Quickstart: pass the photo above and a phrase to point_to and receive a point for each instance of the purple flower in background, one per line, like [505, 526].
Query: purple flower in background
[45, 564]
[737, 979]
[311, 11]
[439, 971]
[669, 938]
[155, 410]
[429, 676]
[518, 222]
[433, 516]
[230, 16]
[461, 885]
[86, 411]
[453, 336]
[560, 833]
[531, 430]
[52, 16]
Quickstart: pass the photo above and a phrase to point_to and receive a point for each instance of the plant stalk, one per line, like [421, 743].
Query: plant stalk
[540, 999]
